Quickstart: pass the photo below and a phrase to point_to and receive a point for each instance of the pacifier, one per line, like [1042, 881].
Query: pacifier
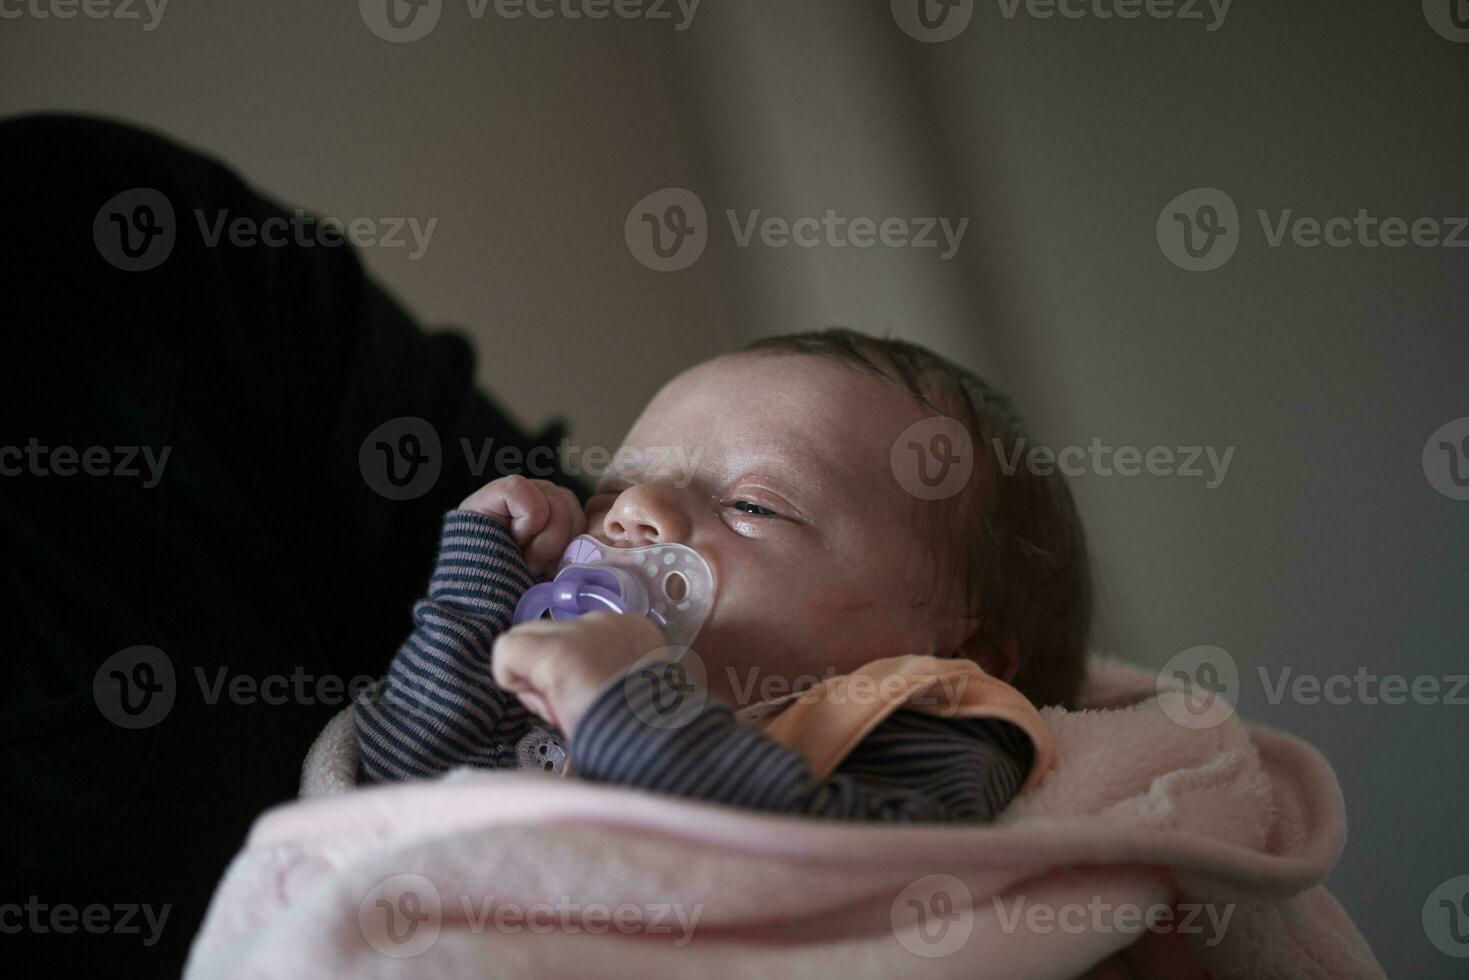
[671, 584]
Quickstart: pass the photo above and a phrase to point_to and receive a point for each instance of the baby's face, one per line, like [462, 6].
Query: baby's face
[816, 551]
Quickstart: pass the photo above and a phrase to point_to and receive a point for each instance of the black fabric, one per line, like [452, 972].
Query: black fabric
[262, 550]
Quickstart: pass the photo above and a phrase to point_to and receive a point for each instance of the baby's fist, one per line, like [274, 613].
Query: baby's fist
[541, 517]
[557, 668]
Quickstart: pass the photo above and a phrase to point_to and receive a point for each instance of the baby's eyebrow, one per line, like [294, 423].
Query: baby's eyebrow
[803, 464]
[632, 464]
[813, 457]
[800, 462]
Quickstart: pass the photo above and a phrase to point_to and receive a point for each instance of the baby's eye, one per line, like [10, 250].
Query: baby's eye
[748, 507]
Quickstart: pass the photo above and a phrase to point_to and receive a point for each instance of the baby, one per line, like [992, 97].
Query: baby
[962, 614]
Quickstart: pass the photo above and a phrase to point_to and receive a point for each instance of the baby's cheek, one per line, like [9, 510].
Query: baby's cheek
[768, 634]
[744, 653]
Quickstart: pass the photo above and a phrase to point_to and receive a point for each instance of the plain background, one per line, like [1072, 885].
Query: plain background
[1324, 550]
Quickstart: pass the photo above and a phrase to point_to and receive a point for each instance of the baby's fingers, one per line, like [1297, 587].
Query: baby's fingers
[514, 661]
[566, 521]
[514, 501]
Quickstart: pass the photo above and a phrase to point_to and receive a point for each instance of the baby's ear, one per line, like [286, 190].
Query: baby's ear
[1000, 660]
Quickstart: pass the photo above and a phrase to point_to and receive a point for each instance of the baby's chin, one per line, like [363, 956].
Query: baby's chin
[738, 685]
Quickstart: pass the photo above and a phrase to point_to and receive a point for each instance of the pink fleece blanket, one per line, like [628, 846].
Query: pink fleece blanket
[1151, 850]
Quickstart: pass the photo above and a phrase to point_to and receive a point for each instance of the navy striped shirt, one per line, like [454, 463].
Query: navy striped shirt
[438, 707]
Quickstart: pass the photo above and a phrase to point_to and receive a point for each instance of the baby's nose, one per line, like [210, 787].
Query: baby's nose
[646, 514]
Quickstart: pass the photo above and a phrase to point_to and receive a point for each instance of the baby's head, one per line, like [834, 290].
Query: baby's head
[824, 562]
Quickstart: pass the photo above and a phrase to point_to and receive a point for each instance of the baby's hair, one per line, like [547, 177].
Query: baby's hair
[1022, 557]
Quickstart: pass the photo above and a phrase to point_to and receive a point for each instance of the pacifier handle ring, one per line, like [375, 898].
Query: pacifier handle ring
[566, 598]
[595, 594]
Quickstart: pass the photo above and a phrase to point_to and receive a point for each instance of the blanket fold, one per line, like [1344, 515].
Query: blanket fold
[1151, 849]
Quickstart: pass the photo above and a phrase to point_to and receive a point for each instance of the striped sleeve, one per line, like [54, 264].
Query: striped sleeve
[912, 767]
[438, 707]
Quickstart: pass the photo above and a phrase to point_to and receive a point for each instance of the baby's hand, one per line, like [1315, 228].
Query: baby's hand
[542, 517]
[557, 668]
